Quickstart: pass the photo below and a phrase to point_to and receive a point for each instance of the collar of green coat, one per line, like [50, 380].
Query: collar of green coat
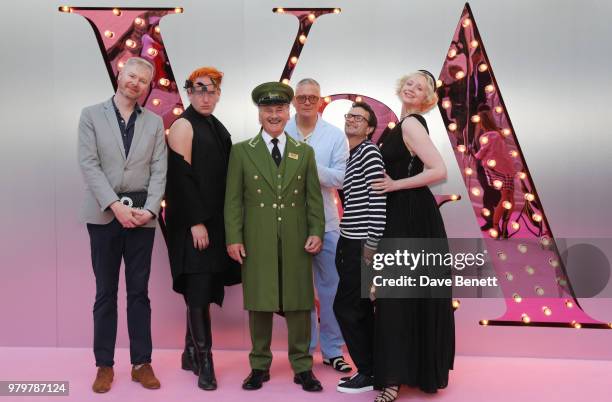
[293, 156]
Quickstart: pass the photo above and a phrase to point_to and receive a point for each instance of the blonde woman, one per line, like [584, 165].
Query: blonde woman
[414, 337]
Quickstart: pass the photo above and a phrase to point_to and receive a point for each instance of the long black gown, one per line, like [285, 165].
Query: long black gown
[414, 338]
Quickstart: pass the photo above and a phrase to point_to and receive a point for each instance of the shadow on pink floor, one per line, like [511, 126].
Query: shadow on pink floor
[474, 379]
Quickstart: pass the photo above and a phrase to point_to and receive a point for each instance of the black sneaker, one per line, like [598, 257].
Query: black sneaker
[356, 384]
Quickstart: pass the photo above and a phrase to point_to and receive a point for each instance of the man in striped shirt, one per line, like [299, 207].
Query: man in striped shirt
[363, 222]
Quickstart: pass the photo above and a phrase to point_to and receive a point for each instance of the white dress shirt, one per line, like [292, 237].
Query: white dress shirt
[282, 140]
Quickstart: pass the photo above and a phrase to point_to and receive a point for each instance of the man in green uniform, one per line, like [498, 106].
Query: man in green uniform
[274, 223]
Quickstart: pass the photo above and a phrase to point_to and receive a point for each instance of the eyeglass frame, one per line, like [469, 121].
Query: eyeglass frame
[356, 117]
[307, 98]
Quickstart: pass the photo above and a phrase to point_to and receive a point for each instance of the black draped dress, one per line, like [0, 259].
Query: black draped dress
[195, 194]
[414, 338]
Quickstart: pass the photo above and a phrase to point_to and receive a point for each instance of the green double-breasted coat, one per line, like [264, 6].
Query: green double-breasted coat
[267, 207]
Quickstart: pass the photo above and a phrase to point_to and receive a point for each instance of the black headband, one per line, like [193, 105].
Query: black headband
[430, 75]
[189, 84]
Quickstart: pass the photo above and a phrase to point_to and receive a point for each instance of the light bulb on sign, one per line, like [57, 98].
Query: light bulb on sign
[490, 88]
[466, 23]
[157, 29]
[486, 212]
[177, 111]
[515, 225]
[358, 99]
[529, 197]
[109, 34]
[506, 132]
[502, 256]
[476, 191]
[475, 118]
[529, 269]
[474, 44]
[164, 82]
[483, 140]
[499, 109]
[130, 43]
[482, 67]
[311, 17]
[336, 11]
[546, 310]
[139, 21]
[509, 276]
[539, 291]
[522, 248]
[525, 318]
[517, 298]
[302, 39]
[391, 125]
[536, 217]
[468, 171]
[498, 184]
[507, 205]
[452, 53]
[439, 83]
[461, 148]
[178, 10]
[491, 163]
[117, 12]
[280, 10]
[446, 104]
[493, 233]
[452, 126]
[152, 52]
[459, 75]
[569, 304]
[327, 99]
[484, 322]
[285, 81]
[156, 102]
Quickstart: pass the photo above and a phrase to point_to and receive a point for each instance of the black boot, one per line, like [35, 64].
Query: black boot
[199, 324]
[188, 358]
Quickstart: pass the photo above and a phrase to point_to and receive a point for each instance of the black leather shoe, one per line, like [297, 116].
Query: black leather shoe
[255, 379]
[308, 381]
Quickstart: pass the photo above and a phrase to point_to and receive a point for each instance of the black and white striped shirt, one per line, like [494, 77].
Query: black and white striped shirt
[364, 210]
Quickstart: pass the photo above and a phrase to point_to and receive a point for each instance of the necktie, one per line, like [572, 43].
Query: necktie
[276, 155]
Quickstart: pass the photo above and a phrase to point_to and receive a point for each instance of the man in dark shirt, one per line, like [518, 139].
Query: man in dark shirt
[124, 168]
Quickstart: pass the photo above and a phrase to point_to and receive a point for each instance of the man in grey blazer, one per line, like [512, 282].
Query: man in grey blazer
[122, 155]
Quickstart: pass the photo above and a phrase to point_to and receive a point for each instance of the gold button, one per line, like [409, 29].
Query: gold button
[280, 219]
[280, 198]
[293, 204]
[261, 205]
[256, 177]
[274, 205]
[282, 206]
[258, 191]
[279, 186]
[295, 191]
[299, 177]
[279, 176]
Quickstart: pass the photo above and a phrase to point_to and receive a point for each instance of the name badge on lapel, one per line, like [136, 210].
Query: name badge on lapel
[293, 156]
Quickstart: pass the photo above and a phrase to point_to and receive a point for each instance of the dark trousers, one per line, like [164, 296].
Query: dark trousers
[110, 243]
[354, 314]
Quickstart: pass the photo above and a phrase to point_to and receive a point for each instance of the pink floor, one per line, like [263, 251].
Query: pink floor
[474, 379]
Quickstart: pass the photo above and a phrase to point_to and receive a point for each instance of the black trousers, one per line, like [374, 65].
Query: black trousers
[109, 244]
[354, 314]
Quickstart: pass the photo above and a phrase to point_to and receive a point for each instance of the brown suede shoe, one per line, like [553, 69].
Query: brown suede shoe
[103, 380]
[145, 376]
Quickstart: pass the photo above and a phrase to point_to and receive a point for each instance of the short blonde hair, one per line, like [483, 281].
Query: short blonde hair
[431, 98]
[139, 61]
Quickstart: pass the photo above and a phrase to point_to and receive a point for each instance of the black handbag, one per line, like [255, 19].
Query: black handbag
[133, 199]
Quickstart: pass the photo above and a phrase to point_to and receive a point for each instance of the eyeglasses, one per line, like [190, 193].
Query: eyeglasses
[311, 98]
[201, 90]
[356, 117]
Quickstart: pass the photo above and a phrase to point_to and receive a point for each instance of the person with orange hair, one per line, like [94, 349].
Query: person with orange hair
[198, 155]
